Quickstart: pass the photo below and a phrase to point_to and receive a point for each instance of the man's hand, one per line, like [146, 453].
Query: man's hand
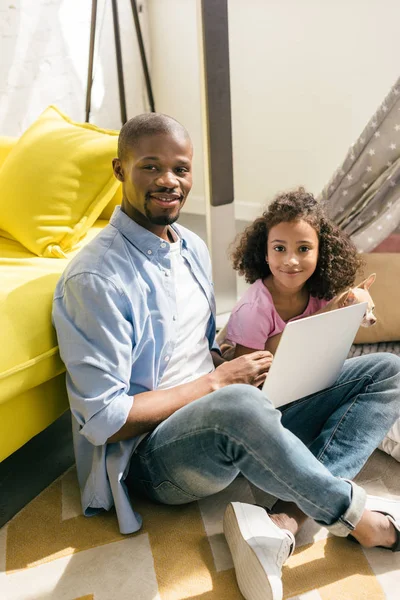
[250, 368]
[149, 409]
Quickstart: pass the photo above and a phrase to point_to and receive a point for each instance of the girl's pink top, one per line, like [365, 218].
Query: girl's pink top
[254, 318]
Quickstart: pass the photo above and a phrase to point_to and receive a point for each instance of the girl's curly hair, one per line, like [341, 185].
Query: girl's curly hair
[338, 260]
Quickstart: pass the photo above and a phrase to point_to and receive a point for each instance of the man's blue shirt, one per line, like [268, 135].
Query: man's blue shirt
[113, 311]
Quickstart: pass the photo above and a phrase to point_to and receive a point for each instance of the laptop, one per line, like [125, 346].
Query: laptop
[311, 354]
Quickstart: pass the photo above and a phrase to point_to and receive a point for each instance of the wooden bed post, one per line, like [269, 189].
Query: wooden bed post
[217, 134]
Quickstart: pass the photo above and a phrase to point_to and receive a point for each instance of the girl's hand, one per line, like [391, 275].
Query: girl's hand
[249, 368]
[228, 351]
[340, 300]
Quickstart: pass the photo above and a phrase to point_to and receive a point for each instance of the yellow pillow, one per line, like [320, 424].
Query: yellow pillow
[55, 182]
[115, 201]
[7, 143]
[385, 292]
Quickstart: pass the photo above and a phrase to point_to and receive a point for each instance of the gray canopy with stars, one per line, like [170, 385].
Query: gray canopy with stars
[363, 196]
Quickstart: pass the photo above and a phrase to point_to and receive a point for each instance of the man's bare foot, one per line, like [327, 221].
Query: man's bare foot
[375, 529]
[288, 516]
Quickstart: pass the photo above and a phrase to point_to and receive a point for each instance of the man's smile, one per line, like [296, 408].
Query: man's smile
[165, 200]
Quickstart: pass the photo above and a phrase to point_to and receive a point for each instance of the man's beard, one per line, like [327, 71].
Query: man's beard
[160, 219]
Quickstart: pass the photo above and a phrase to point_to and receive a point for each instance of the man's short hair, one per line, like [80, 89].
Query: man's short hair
[147, 124]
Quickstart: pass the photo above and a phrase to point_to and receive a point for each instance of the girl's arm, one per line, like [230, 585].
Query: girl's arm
[273, 342]
[271, 345]
[240, 350]
[217, 358]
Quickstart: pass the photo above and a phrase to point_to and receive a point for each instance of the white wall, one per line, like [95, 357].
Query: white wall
[44, 59]
[175, 76]
[305, 79]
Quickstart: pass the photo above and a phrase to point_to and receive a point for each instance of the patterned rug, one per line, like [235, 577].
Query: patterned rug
[50, 551]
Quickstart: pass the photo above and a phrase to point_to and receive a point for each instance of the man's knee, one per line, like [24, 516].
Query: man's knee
[384, 364]
[238, 405]
[392, 362]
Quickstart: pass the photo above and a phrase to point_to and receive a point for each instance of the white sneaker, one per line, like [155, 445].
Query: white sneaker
[259, 548]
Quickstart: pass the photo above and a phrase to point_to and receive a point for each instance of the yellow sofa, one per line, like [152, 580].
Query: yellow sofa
[32, 379]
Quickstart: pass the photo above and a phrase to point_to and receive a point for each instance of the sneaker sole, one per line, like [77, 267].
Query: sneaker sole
[251, 564]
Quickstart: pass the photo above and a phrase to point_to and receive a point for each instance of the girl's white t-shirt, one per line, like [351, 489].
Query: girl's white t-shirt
[191, 357]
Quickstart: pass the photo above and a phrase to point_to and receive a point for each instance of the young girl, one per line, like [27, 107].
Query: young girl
[297, 261]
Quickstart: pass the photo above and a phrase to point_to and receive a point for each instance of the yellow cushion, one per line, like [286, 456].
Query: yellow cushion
[115, 201]
[7, 143]
[385, 292]
[55, 182]
[28, 352]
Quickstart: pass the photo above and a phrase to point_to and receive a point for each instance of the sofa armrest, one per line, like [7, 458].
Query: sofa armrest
[7, 143]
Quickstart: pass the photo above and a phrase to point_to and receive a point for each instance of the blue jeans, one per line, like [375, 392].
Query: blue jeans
[305, 453]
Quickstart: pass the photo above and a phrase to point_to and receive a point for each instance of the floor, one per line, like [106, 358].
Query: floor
[27, 472]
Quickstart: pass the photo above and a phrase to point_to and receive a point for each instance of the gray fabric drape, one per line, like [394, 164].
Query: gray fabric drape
[363, 196]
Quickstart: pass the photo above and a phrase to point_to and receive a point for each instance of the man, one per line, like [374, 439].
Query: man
[135, 320]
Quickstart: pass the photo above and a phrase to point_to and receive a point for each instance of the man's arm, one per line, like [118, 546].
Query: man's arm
[95, 339]
[149, 409]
